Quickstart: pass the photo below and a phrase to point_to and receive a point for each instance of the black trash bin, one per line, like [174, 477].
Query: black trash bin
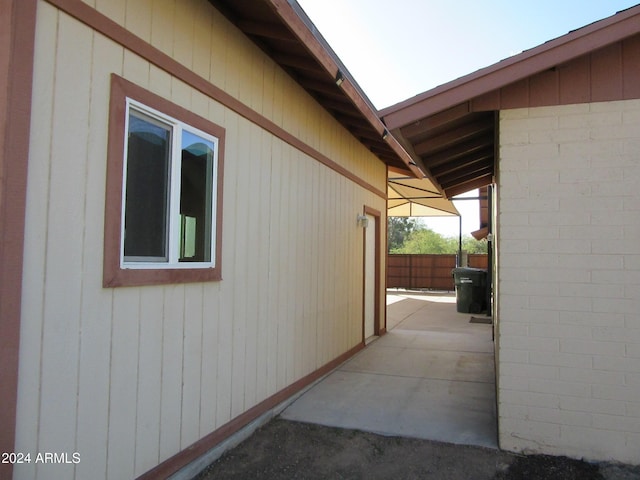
[471, 289]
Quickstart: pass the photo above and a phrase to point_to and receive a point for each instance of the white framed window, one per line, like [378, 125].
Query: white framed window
[163, 210]
[168, 201]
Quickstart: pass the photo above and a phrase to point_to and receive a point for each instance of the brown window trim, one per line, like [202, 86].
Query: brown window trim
[113, 274]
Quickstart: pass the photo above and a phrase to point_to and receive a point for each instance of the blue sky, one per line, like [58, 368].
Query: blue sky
[398, 49]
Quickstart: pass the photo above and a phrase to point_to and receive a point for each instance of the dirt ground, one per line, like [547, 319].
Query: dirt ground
[290, 450]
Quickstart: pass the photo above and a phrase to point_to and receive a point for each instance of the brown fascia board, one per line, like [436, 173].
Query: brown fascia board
[554, 52]
[416, 160]
[293, 19]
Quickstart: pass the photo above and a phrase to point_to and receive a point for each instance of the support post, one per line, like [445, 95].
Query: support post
[459, 260]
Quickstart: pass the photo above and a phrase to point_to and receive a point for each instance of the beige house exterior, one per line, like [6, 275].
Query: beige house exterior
[565, 169]
[124, 372]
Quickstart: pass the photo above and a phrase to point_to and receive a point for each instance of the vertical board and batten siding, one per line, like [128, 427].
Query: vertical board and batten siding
[130, 376]
[569, 280]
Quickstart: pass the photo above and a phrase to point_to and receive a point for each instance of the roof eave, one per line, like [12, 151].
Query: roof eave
[552, 53]
[294, 18]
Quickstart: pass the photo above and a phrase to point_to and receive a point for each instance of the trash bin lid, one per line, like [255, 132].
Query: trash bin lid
[468, 275]
[468, 270]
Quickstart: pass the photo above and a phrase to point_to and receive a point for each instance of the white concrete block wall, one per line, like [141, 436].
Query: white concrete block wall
[568, 305]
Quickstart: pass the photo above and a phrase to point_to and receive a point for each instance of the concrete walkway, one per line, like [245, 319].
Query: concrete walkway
[431, 376]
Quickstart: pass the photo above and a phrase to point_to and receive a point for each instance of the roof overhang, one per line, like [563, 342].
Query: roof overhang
[286, 34]
[451, 130]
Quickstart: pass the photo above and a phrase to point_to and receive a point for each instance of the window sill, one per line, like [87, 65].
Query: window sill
[129, 277]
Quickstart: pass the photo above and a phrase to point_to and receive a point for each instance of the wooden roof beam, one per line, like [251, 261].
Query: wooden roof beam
[352, 122]
[460, 162]
[298, 62]
[459, 151]
[474, 171]
[435, 121]
[266, 30]
[366, 133]
[477, 169]
[453, 136]
[326, 88]
[342, 107]
[471, 185]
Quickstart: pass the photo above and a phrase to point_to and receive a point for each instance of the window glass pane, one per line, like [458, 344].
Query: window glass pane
[196, 198]
[147, 189]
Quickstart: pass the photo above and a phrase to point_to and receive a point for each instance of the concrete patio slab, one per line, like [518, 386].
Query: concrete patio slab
[431, 376]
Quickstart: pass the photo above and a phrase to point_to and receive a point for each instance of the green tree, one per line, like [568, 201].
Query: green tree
[398, 229]
[423, 240]
[471, 245]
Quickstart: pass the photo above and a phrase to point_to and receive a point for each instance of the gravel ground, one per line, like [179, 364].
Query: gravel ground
[290, 450]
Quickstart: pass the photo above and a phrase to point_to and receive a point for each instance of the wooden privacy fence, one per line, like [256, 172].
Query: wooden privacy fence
[426, 271]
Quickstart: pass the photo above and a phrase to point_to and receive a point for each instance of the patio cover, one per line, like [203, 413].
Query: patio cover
[416, 197]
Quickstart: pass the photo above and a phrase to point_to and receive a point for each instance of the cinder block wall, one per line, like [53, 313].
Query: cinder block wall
[569, 280]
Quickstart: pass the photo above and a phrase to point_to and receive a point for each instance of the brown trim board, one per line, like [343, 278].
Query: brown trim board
[202, 446]
[107, 27]
[17, 41]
